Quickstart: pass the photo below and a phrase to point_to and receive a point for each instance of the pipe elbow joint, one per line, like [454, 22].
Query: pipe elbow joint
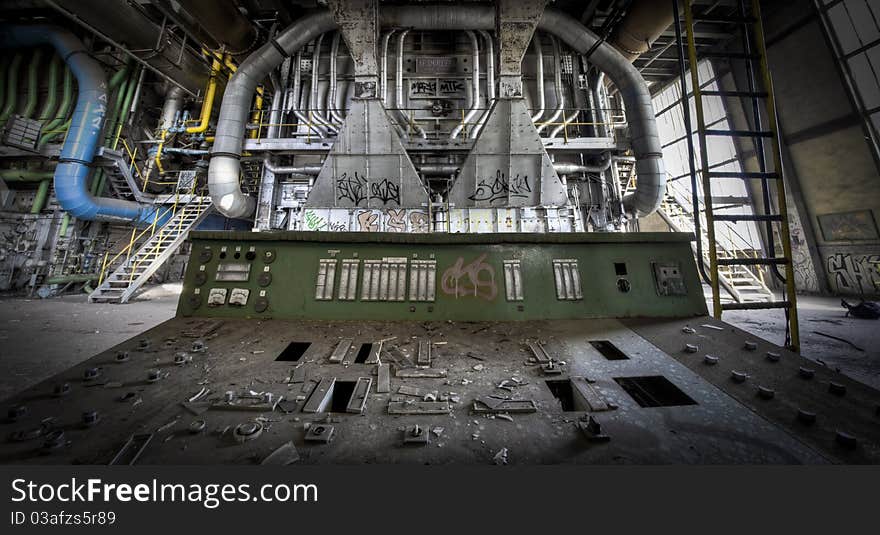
[223, 186]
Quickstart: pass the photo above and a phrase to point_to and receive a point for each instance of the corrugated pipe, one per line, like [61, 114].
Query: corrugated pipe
[72, 172]
[225, 167]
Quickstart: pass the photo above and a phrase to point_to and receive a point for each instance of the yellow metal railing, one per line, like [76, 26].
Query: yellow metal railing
[151, 229]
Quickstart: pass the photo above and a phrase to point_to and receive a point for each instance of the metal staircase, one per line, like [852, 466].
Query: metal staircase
[741, 283]
[753, 58]
[136, 269]
[119, 175]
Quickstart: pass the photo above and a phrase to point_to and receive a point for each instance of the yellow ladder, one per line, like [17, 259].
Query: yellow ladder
[754, 53]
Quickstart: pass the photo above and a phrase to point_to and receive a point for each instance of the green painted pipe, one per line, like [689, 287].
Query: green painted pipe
[65, 221]
[33, 87]
[31, 175]
[25, 175]
[4, 72]
[52, 92]
[63, 110]
[11, 89]
[41, 196]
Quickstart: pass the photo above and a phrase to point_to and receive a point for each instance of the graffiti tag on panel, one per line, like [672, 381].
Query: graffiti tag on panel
[357, 189]
[475, 279]
[419, 222]
[500, 188]
[368, 221]
[854, 274]
[314, 222]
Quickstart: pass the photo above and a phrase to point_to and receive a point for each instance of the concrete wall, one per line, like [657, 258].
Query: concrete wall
[833, 179]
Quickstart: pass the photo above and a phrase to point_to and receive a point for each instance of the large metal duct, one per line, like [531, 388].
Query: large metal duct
[225, 168]
[128, 25]
[223, 22]
[644, 23]
[72, 171]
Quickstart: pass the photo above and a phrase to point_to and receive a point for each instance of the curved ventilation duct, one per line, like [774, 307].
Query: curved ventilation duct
[224, 171]
[72, 171]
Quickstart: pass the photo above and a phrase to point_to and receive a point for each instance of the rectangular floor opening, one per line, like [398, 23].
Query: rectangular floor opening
[363, 354]
[339, 398]
[293, 352]
[562, 390]
[654, 391]
[608, 350]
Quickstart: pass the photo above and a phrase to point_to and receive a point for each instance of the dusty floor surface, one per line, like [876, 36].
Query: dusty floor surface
[823, 315]
[39, 338]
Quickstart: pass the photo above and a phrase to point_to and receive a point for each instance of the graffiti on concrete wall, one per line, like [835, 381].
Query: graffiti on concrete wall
[475, 279]
[356, 189]
[368, 221]
[853, 273]
[499, 188]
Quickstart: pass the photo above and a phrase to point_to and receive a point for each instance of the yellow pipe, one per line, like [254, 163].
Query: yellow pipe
[208, 102]
[257, 117]
[158, 157]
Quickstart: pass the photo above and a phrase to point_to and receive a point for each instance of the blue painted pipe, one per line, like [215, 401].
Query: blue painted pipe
[72, 172]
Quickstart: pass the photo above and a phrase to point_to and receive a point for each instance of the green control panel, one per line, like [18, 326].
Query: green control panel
[462, 277]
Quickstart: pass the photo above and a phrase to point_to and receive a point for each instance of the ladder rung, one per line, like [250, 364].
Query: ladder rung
[748, 217]
[751, 261]
[737, 94]
[743, 174]
[714, 19]
[730, 55]
[739, 133]
[757, 305]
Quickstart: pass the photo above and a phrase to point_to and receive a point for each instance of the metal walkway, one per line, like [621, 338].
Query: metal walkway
[124, 281]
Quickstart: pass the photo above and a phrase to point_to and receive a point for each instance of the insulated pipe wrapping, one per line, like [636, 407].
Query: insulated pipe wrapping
[633, 90]
[72, 171]
[225, 167]
[171, 109]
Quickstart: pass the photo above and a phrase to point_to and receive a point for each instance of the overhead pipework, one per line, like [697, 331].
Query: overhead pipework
[72, 172]
[473, 22]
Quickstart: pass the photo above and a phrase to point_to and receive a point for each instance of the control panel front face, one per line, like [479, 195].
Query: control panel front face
[373, 280]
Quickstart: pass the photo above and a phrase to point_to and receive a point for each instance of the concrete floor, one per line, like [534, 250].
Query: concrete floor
[39, 338]
[42, 337]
